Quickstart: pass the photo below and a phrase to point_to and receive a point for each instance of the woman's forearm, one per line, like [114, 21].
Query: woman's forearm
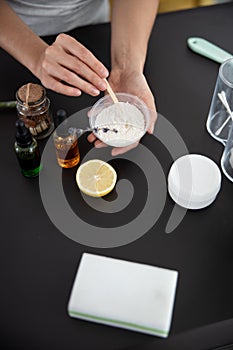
[19, 40]
[66, 66]
[132, 21]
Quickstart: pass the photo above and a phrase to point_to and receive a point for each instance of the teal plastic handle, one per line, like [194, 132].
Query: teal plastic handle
[205, 48]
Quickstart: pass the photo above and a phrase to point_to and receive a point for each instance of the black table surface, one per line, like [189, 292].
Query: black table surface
[38, 262]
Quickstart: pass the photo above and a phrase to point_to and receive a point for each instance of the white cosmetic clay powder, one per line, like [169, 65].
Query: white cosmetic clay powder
[126, 118]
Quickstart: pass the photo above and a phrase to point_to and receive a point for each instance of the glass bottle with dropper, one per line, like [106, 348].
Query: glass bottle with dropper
[27, 151]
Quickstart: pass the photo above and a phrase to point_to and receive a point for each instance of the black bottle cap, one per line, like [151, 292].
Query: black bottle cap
[60, 117]
[23, 136]
[61, 123]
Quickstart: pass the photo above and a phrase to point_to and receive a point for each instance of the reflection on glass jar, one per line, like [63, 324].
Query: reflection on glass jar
[227, 156]
[219, 121]
[33, 107]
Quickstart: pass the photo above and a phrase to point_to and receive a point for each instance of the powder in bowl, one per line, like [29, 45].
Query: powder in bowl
[130, 117]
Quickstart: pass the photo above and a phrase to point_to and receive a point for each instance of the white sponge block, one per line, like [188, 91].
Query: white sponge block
[124, 294]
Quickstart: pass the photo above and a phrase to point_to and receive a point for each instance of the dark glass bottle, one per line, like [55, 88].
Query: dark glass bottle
[27, 151]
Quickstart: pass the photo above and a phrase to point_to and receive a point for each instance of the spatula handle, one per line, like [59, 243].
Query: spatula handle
[207, 49]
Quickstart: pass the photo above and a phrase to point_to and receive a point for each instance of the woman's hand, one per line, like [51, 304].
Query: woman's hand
[133, 83]
[69, 68]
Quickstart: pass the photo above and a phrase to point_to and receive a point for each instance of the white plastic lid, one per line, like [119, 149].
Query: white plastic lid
[194, 181]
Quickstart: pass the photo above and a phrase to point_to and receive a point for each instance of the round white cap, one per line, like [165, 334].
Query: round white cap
[194, 181]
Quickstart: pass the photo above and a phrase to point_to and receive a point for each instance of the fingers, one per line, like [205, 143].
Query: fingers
[80, 51]
[56, 85]
[100, 144]
[153, 118]
[115, 151]
[91, 138]
[63, 74]
[68, 61]
[149, 101]
[77, 66]
[120, 150]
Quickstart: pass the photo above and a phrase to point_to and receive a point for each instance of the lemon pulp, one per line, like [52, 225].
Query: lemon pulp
[96, 178]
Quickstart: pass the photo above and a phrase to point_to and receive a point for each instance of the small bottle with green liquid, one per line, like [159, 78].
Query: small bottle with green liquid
[27, 151]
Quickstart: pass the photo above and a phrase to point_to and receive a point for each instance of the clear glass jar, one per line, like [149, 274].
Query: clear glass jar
[33, 107]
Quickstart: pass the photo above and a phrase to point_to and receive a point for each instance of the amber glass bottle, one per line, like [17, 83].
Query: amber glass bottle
[66, 143]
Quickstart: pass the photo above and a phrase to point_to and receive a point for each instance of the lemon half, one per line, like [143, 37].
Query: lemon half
[96, 178]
